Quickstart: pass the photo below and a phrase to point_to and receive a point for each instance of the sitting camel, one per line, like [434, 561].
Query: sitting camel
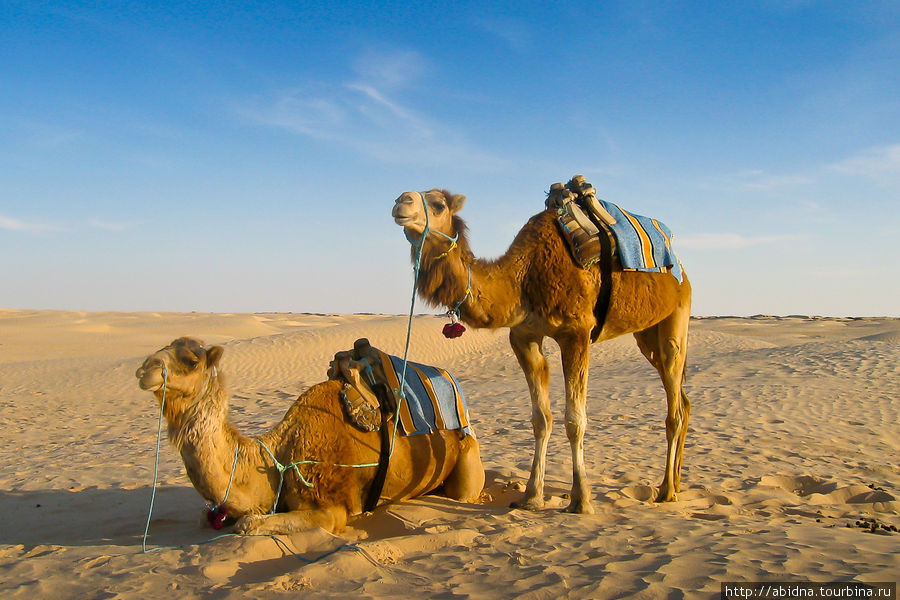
[239, 474]
[538, 290]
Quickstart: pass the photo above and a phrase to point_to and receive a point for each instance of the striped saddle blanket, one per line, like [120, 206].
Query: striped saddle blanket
[432, 399]
[643, 244]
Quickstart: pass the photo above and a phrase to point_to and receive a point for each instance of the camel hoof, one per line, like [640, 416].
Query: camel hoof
[580, 508]
[665, 496]
[249, 524]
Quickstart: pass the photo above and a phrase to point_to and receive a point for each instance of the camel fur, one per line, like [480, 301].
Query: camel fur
[537, 290]
[314, 428]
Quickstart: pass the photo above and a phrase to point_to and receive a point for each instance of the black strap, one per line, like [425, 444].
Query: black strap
[601, 307]
[385, 401]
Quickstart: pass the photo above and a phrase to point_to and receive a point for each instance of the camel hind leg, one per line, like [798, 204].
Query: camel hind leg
[575, 348]
[466, 480]
[665, 346]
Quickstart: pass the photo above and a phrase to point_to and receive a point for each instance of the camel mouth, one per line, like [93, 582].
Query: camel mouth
[407, 221]
[403, 215]
[149, 379]
[150, 382]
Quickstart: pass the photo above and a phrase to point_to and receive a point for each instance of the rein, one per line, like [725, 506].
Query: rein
[383, 460]
[418, 246]
[162, 406]
[420, 243]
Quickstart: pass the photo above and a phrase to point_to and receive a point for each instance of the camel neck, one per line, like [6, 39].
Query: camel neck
[213, 451]
[483, 292]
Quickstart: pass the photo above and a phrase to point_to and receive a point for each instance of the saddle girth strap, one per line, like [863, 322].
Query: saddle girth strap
[601, 307]
[385, 400]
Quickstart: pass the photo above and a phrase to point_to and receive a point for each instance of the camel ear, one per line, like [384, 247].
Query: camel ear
[455, 202]
[214, 355]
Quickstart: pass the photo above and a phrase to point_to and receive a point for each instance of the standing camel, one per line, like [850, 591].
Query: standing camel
[538, 290]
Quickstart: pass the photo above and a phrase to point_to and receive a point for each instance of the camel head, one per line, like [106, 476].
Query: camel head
[442, 206]
[188, 364]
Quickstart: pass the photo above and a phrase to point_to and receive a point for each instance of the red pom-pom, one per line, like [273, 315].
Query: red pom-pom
[216, 517]
[453, 330]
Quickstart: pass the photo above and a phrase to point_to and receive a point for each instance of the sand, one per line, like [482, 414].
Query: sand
[794, 436]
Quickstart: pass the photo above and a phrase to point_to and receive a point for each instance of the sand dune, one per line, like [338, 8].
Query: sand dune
[794, 440]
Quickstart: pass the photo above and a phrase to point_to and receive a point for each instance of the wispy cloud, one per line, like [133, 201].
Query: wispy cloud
[13, 224]
[881, 163]
[390, 68]
[375, 115]
[395, 110]
[758, 180]
[109, 225]
[514, 33]
[729, 241]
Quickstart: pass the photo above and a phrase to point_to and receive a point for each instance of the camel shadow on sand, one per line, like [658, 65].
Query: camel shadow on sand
[101, 517]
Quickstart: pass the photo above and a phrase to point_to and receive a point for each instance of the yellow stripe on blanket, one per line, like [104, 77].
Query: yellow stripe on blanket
[432, 395]
[394, 381]
[646, 245]
[460, 404]
[432, 399]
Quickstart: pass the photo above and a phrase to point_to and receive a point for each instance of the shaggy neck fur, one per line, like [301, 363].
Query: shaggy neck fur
[496, 299]
[198, 427]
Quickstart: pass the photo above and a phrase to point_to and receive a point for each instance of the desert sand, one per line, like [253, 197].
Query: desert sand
[794, 438]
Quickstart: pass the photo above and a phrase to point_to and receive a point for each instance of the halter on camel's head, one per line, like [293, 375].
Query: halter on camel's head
[409, 221]
[185, 365]
[419, 243]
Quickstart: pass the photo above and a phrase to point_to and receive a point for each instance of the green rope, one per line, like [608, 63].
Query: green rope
[281, 469]
[455, 309]
[419, 245]
[417, 267]
[213, 507]
[281, 543]
[162, 405]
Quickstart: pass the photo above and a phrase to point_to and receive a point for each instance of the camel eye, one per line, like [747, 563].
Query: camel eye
[188, 358]
[438, 207]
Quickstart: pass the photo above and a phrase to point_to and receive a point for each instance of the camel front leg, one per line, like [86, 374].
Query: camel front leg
[528, 348]
[575, 349]
[331, 518]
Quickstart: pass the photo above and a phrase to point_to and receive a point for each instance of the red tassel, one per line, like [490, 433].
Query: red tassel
[217, 517]
[453, 330]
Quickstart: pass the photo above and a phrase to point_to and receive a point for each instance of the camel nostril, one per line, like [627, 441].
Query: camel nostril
[149, 365]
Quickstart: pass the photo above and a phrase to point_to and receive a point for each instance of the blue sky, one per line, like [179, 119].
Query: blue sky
[233, 157]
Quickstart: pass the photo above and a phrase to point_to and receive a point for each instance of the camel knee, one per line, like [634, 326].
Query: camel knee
[575, 427]
[674, 424]
[541, 422]
[672, 356]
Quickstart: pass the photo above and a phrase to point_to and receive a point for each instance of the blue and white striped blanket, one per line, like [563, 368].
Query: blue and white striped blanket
[433, 398]
[643, 244]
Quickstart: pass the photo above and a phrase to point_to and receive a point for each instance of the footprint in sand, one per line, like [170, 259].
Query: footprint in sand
[820, 492]
[641, 493]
